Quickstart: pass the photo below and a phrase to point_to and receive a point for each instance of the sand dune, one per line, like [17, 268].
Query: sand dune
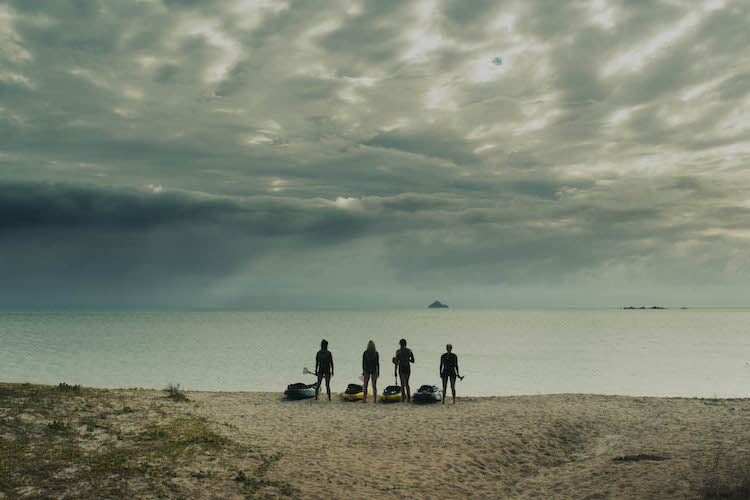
[559, 446]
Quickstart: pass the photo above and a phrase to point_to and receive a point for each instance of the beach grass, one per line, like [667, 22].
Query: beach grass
[175, 393]
[722, 477]
[57, 441]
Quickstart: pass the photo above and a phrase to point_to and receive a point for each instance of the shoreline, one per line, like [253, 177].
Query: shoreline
[335, 394]
[234, 444]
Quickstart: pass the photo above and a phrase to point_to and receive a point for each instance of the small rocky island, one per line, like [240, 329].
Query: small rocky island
[437, 305]
[643, 307]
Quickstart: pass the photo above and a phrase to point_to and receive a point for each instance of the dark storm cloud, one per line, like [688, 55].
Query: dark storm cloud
[66, 239]
[242, 150]
[32, 206]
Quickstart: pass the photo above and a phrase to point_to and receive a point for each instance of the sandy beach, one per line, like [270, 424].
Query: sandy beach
[138, 443]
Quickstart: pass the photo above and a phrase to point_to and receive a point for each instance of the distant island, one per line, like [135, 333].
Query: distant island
[437, 305]
[642, 307]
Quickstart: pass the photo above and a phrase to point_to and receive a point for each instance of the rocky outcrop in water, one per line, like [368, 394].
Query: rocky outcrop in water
[437, 305]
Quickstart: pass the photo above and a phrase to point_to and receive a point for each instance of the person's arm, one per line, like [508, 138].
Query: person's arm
[317, 364]
[363, 362]
[395, 366]
[377, 363]
[330, 357]
[411, 355]
[457, 375]
[442, 362]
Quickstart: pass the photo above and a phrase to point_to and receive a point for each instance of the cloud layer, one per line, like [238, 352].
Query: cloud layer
[292, 154]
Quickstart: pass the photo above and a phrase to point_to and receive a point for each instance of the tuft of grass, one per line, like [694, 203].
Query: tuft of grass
[267, 463]
[57, 426]
[254, 483]
[208, 438]
[181, 438]
[722, 478]
[92, 424]
[63, 387]
[175, 393]
[201, 474]
[124, 411]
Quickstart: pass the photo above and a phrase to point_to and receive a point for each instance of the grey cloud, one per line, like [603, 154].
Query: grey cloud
[182, 3]
[43, 206]
[166, 73]
[428, 142]
[470, 20]
[374, 35]
[522, 175]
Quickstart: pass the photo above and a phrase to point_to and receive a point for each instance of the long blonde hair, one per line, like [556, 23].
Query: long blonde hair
[370, 352]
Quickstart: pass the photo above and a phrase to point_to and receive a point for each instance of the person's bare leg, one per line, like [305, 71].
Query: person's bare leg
[374, 388]
[367, 380]
[403, 385]
[408, 389]
[445, 387]
[317, 387]
[453, 388]
[328, 385]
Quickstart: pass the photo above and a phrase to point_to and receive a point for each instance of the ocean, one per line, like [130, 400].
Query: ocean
[690, 353]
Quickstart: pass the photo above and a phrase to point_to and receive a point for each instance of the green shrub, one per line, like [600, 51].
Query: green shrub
[57, 426]
[175, 393]
[63, 387]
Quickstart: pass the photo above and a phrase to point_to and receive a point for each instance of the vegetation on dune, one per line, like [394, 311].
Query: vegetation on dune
[175, 393]
[68, 441]
[63, 387]
[723, 478]
[259, 480]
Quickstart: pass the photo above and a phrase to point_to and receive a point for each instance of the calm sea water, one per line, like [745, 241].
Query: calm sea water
[501, 352]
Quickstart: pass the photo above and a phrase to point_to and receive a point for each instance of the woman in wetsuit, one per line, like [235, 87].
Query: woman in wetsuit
[371, 370]
[404, 357]
[324, 368]
[449, 369]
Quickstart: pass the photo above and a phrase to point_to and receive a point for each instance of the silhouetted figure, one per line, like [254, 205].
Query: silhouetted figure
[404, 357]
[324, 368]
[371, 370]
[449, 369]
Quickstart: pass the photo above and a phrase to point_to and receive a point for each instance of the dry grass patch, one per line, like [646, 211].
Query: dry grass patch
[84, 443]
[724, 477]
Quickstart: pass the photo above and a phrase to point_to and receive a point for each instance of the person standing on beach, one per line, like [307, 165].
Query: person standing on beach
[324, 368]
[449, 369]
[371, 370]
[404, 357]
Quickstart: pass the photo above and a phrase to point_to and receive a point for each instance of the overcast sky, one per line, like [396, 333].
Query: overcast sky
[272, 154]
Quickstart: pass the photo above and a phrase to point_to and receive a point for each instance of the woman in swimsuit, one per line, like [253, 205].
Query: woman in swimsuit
[371, 370]
[449, 369]
[324, 368]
